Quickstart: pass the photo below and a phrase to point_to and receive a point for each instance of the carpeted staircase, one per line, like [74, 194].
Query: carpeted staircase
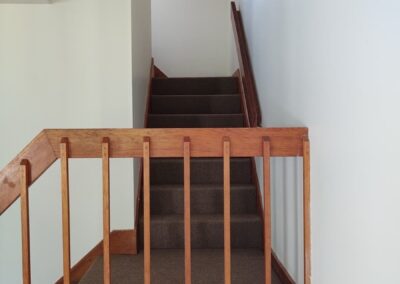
[196, 102]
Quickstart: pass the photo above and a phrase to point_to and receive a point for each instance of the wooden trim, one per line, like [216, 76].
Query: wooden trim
[83, 265]
[106, 211]
[146, 208]
[306, 211]
[158, 73]
[281, 271]
[64, 154]
[187, 223]
[243, 104]
[206, 142]
[246, 70]
[227, 210]
[40, 155]
[25, 230]
[267, 209]
[149, 91]
[121, 242]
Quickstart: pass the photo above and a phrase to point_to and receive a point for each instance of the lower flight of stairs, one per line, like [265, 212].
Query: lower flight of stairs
[196, 103]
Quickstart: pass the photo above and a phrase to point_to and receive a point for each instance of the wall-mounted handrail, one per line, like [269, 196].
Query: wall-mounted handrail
[226, 143]
[246, 76]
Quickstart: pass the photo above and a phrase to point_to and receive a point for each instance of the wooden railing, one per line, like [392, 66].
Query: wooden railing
[246, 77]
[50, 145]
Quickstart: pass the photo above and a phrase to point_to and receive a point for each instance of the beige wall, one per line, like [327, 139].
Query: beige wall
[192, 37]
[66, 64]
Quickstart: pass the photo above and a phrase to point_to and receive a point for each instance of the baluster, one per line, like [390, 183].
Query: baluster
[186, 181]
[267, 208]
[65, 209]
[106, 210]
[146, 207]
[227, 212]
[26, 255]
[306, 211]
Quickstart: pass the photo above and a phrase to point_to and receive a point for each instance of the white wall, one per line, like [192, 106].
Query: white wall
[63, 65]
[192, 37]
[333, 66]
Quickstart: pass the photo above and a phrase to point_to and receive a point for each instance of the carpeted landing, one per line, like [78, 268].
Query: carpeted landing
[167, 267]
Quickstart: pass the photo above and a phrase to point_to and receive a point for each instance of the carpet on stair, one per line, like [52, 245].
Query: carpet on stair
[167, 267]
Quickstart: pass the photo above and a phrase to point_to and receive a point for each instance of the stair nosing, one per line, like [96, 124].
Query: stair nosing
[211, 186]
[200, 96]
[197, 114]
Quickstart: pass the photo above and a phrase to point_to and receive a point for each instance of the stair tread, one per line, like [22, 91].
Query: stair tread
[196, 114]
[195, 120]
[197, 85]
[201, 187]
[196, 96]
[168, 267]
[212, 218]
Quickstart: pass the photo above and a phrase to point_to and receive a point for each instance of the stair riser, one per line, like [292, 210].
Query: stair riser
[193, 121]
[203, 172]
[195, 86]
[244, 235]
[215, 104]
[243, 201]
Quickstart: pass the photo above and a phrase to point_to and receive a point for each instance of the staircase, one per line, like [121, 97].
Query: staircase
[196, 103]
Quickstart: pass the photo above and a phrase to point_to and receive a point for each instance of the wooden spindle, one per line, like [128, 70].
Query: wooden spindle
[106, 210]
[65, 210]
[186, 186]
[26, 255]
[306, 210]
[267, 208]
[146, 208]
[227, 211]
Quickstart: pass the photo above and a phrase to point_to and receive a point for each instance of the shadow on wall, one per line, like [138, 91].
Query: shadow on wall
[287, 212]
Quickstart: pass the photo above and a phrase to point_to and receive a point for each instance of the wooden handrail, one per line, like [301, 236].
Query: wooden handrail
[44, 150]
[224, 143]
[246, 76]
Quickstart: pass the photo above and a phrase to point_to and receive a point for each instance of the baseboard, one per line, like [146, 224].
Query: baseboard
[121, 242]
[158, 73]
[281, 271]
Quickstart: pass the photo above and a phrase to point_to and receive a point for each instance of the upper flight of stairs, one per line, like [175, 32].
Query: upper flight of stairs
[195, 102]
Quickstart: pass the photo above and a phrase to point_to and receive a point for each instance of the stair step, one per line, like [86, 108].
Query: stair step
[195, 86]
[195, 120]
[205, 199]
[207, 231]
[204, 171]
[195, 104]
[168, 267]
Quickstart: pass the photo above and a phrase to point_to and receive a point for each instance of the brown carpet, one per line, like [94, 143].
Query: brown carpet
[167, 267]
